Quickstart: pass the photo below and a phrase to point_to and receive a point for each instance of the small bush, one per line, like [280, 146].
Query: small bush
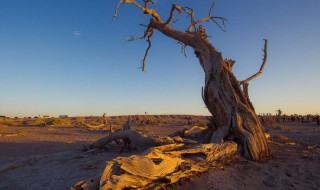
[56, 121]
[78, 121]
[269, 121]
[3, 128]
[8, 122]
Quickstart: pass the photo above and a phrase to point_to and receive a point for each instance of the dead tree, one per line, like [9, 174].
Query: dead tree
[227, 99]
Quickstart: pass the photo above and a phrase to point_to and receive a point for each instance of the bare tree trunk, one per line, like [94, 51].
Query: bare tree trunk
[233, 115]
[232, 111]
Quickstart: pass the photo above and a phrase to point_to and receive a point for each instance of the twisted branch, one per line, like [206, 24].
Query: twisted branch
[156, 22]
[262, 66]
[147, 50]
[146, 32]
[214, 19]
[174, 7]
[145, 9]
[213, 3]
[183, 48]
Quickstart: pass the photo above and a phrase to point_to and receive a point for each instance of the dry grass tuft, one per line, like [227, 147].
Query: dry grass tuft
[8, 122]
[57, 121]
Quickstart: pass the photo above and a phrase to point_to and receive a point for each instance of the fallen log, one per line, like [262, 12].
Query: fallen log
[93, 126]
[138, 140]
[187, 131]
[133, 136]
[162, 166]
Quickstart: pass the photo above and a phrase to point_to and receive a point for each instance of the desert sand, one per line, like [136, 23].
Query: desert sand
[52, 157]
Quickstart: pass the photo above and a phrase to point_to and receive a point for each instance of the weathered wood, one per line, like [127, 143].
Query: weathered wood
[138, 140]
[186, 131]
[133, 136]
[89, 184]
[94, 126]
[233, 113]
[160, 167]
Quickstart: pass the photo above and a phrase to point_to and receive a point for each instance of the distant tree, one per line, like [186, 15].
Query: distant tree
[227, 99]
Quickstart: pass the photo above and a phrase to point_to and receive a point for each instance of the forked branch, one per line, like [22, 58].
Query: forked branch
[206, 19]
[145, 8]
[145, 34]
[174, 7]
[214, 19]
[185, 38]
[262, 66]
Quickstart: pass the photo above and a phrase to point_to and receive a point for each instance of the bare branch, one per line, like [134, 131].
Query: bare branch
[147, 50]
[174, 7]
[146, 32]
[131, 38]
[115, 15]
[213, 3]
[145, 8]
[146, 3]
[183, 48]
[262, 66]
[222, 19]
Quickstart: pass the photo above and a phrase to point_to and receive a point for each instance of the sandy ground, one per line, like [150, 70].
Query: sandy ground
[51, 158]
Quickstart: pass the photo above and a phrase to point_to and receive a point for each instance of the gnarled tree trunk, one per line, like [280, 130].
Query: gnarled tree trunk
[233, 115]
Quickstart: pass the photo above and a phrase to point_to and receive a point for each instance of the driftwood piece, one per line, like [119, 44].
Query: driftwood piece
[162, 166]
[135, 137]
[138, 140]
[159, 167]
[89, 184]
[187, 131]
[93, 126]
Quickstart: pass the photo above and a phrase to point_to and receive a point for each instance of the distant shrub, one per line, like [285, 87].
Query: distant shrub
[56, 121]
[3, 128]
[36, 122]
[78, 120]
[269, 120]
[8, 122]
[25, 122]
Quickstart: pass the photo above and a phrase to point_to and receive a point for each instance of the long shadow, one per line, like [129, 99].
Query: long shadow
[15, 149]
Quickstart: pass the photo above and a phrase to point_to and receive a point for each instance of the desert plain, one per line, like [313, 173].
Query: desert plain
[36, 156]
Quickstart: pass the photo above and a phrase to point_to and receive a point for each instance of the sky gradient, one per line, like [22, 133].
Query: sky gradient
[70, 57]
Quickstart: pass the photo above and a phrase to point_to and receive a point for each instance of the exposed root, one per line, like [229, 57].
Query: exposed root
[135, 139]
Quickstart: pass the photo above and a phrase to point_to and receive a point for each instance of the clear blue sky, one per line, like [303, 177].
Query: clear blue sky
[69, 57]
